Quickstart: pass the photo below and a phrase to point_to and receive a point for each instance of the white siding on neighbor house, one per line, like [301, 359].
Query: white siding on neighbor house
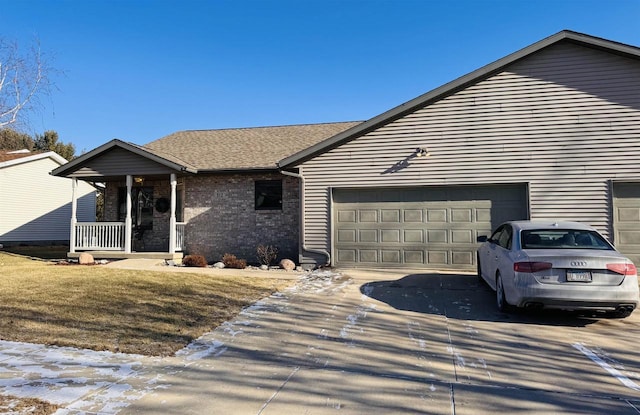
[36, 206]
[565, 120]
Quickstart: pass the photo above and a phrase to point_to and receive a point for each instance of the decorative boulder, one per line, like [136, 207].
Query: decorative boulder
[264, 267]
[218, 265]
[85, 259]
[287, 265]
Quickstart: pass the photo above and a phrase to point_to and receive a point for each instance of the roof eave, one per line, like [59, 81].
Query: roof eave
[242, 170]
[455, 86]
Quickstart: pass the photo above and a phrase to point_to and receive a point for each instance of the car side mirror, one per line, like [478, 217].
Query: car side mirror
[482, 238]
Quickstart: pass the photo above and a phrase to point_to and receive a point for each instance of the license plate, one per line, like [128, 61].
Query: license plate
[578, 276]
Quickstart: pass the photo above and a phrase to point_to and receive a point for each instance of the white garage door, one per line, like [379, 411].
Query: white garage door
[421, 227]
[626, 219]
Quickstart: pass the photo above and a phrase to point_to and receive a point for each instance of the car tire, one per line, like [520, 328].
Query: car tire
[501, 299]
[479, 270]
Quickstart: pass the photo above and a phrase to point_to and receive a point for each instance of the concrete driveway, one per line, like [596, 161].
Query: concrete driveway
[358, 342]
[398, 343]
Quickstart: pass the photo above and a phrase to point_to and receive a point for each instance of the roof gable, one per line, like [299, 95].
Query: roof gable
[455, 86]
[117, 158]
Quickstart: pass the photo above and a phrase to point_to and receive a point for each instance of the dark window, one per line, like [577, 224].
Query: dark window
[141, 206]
[502, 236]
[268, 194]
[563, 239]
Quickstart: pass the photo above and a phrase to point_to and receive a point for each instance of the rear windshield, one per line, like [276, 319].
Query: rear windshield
[562, 239]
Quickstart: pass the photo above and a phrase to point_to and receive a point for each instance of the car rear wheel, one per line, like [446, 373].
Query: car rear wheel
[501, 300]
[479, 272]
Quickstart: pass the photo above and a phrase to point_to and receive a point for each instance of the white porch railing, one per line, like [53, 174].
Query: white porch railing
[104, 236]
[180, 226]
[110, 236]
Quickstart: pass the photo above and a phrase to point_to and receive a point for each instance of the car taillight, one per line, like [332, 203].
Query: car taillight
[624, 269]
[531, 266]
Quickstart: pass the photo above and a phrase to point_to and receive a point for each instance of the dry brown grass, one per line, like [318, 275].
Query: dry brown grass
[100, 308]
[31, 406]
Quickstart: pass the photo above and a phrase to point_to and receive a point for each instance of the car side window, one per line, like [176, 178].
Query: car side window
[495, 238]
[505, 237]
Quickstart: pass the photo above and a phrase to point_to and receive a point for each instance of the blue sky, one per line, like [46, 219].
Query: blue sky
[139, 70]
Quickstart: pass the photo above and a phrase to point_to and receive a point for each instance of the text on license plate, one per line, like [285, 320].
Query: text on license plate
[578, 276]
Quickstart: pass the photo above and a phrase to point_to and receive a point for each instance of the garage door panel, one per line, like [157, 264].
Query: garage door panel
[347, 216]
[626, 219]
[390, 235]
[413, 236]
[368, 216]
[437, 215]
[368, 235]
[461, 215]
[390, 216]
[347, 235]
[463, 236]
[414, 257]
[390, 256]
[395, 227]
[413, 215]
[435, 236]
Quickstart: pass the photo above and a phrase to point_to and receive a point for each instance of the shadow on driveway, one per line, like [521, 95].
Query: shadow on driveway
[460, 296]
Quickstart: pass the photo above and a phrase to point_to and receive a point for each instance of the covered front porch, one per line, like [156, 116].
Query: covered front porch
[142, 204]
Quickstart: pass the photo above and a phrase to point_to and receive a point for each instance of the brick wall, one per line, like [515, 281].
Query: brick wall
[221, 217]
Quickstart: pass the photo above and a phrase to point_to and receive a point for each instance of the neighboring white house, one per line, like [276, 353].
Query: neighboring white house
[35, 206]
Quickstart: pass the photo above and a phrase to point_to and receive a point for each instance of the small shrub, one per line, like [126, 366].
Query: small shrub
[266, 254]
[230, 261]
[194, 261]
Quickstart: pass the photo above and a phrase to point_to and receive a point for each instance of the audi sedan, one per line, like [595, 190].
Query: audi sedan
[561, 265]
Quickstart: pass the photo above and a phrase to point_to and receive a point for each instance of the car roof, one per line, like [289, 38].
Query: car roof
[528, 224]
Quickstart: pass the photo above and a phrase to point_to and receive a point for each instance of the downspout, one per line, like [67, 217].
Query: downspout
[302, 242]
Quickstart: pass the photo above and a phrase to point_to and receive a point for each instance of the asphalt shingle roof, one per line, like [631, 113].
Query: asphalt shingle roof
[244, 148]
[6, 155]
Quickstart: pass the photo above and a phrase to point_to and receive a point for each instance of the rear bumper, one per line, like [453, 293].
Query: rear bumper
[578, 296]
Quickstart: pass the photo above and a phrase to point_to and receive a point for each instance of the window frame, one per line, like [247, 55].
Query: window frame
[268, 194]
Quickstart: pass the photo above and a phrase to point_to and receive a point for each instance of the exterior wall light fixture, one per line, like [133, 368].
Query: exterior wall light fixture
[422, 152]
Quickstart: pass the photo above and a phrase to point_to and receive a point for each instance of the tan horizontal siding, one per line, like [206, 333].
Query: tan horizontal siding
[565, 120]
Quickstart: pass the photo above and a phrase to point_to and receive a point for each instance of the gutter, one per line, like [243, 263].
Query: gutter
[302, 242]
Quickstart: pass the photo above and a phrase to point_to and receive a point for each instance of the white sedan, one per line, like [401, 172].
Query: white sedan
[563, 265]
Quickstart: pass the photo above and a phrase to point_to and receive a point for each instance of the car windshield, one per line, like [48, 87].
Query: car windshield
[562, 239]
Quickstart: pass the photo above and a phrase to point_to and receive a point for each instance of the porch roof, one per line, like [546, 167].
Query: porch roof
[117, 158]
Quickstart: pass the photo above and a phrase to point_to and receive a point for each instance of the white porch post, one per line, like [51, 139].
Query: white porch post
[127, 221]
[74, 219]
[172, 218]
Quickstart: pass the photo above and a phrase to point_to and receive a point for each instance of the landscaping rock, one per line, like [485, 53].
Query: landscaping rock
[264, 267]
[218, 265]
[287, 265]
[86, 259]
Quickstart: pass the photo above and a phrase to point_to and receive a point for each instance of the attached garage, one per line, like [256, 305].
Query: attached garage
[539, 134]
[626, 219]
[433, 226]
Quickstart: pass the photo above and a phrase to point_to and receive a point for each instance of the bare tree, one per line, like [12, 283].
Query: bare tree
[23, 79]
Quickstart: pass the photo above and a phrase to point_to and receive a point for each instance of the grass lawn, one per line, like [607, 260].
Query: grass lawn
[31, 406]
[100, 308]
